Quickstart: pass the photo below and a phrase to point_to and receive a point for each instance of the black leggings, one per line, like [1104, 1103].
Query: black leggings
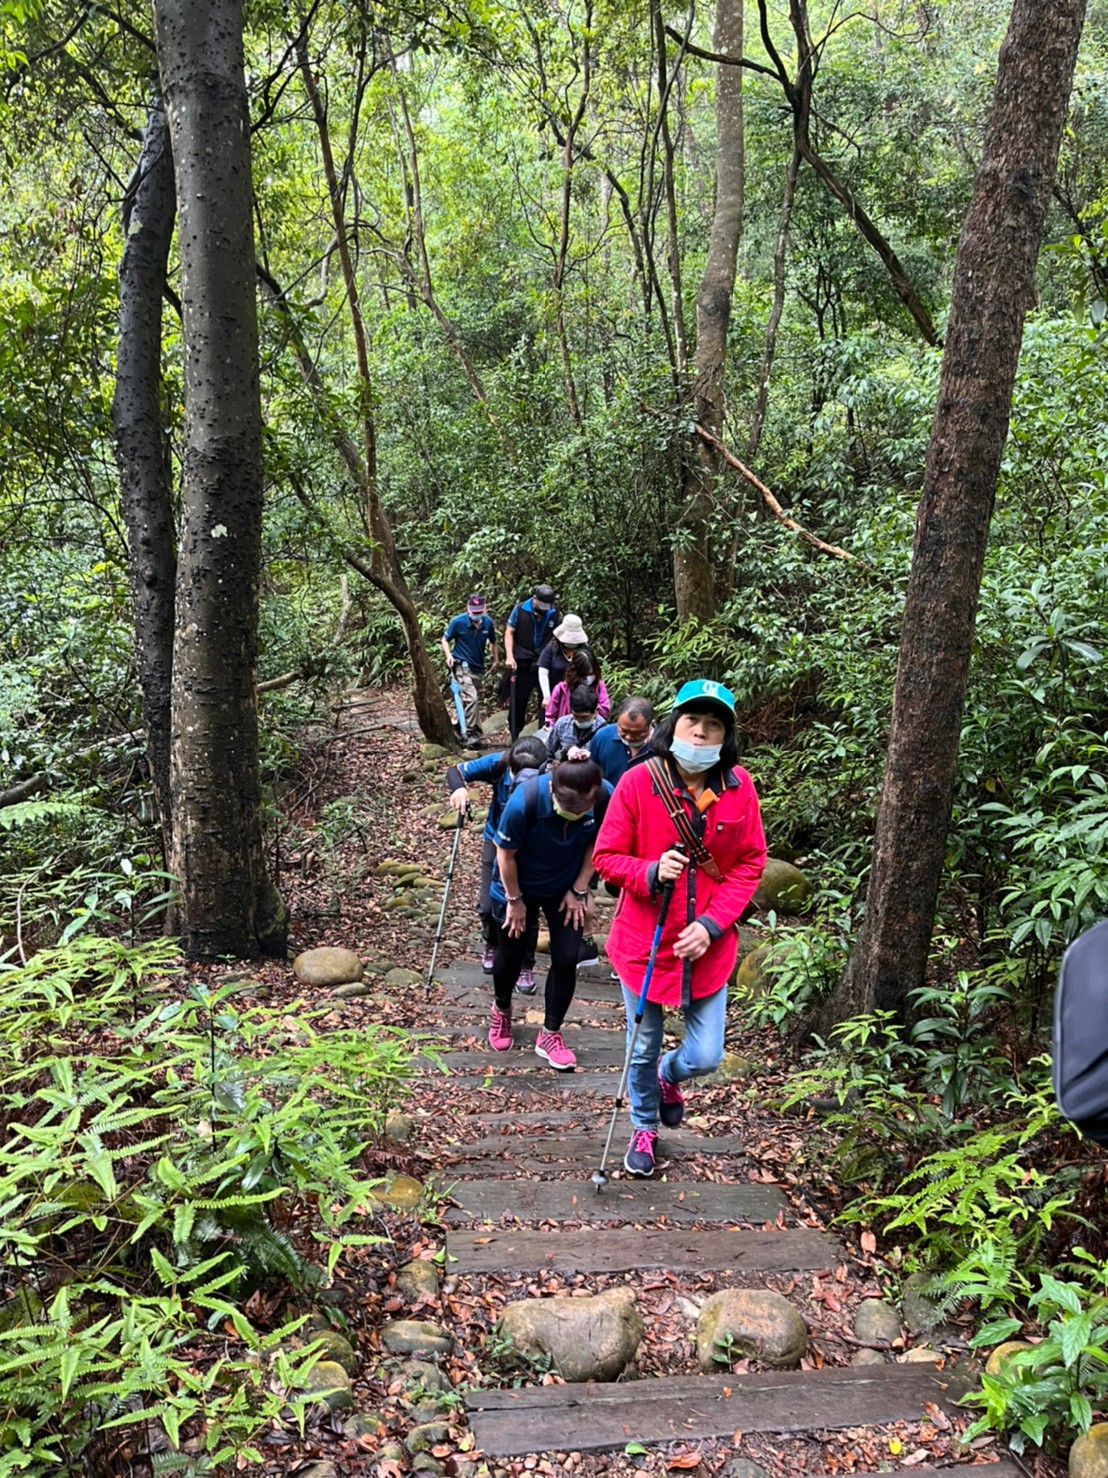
[565, 946]
[526, 683]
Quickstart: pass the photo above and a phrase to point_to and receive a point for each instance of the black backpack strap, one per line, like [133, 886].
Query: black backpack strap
[530, 803]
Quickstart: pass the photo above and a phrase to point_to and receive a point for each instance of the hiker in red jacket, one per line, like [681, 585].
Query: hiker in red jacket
[694, 795]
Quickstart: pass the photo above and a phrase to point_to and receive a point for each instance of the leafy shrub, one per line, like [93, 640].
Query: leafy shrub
[1048, 1392]
[166, 1151]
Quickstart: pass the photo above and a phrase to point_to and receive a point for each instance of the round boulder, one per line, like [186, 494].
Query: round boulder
[399, 1192]
[336, 1347]
[401, 979]
[418, 1279]
[750, 978]
[330, 1384]
[585, 1338]
[328, 967]
[749, 1321]
[415, 1337]
[783, 888]
[999, 1357]
[876, 1322]
[1089, 1454]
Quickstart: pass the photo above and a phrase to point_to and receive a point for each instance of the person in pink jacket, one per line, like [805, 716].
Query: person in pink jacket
[689, 818]
[581, 669]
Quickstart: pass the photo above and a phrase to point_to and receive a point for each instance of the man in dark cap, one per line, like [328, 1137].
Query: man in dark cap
[464, 642]
[528, 630]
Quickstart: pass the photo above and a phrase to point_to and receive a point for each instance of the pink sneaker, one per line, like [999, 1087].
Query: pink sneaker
[672, 1109]
[557, 1054]
[500, 1030]
[526, 984]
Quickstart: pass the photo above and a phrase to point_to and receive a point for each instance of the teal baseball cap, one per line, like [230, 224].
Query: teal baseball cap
[700, 693]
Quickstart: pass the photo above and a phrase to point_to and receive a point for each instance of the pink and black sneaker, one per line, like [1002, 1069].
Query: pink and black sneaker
[640, 1156]
[500, 1030]
[557, 1054]
[672, 1109]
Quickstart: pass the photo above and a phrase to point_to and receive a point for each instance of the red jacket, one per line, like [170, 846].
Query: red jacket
[633, 836]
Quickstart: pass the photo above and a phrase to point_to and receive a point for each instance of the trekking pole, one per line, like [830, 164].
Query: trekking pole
[456, 689]
[599, 1178]
[446, 895]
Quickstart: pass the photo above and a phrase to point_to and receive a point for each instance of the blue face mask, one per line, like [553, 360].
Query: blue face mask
[695, 758]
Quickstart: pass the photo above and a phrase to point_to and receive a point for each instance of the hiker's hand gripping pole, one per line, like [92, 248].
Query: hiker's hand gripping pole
[599, 1177]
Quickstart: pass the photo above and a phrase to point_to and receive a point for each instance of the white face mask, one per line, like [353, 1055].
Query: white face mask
[695, 758]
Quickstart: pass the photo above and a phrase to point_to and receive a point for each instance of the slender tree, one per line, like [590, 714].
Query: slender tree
[228, 905]
[141, 444]
[692, 557]
[993, 287]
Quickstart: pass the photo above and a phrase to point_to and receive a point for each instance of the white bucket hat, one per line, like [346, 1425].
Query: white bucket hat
[571, 633]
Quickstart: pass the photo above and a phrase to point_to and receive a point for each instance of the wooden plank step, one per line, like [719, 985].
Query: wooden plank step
[614, 1250]
[599, 1418]
[992, 1470]
[621, 1200]
[522, 1058]
[674, 1142]
[542, 1081]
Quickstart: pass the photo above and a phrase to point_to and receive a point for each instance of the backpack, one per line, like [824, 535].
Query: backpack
[1081, 1034]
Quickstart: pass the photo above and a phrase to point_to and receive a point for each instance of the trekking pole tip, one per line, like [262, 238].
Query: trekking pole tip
[599, 1180]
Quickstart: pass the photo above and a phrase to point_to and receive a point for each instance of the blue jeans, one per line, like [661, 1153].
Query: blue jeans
[700, 1052]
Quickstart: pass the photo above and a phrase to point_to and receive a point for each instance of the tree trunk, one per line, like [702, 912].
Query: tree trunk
[140, 442]
[993, 286]
[228, 905]
[692, 556]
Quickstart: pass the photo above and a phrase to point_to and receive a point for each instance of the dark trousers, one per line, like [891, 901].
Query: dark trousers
[526, 683]
[565, 946]
[490, 929]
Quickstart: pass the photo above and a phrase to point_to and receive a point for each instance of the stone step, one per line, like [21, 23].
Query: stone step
[593, 984]
[616, 1250]
[620, 1200]
[600, 1418]
[546, 1146]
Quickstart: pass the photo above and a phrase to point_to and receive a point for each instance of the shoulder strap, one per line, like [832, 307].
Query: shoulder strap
[686, 832]
[530, 803]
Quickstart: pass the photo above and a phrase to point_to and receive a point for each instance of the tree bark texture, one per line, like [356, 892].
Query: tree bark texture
[228, 905]
[693, 573]
[140, 442]
[993, 287]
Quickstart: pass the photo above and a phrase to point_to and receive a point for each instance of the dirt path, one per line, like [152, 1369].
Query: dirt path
[505, 1146]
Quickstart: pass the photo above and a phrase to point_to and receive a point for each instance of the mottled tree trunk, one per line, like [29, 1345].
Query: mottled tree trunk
[228, 905]
[140, 442]
[693, 573]
[993, 287]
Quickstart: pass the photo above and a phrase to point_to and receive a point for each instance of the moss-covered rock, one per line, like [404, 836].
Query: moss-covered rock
[784, 888]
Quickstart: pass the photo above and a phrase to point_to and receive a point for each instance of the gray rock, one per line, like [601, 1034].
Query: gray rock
[318, 1470]
[418, 1279]
[421, 1376]
[1089, 1454]
[399, 1128]
[400, 979]
[361, 1424]
[749, 1321]
[783, 888]
[329, 1383]
[327, 967]
[921, 1355]
[867, 1357]
[399, 1192]
[448, 820]
[750, 979]
[423, 1462]
[420, 1438]
[416, 1336]
[351, 992]
[334, 1346]
[919, 1309]
[742, 1467]
[393, 1451]
[433, 751]
[732, 1069]
[585, 1338]
[875, 1321]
